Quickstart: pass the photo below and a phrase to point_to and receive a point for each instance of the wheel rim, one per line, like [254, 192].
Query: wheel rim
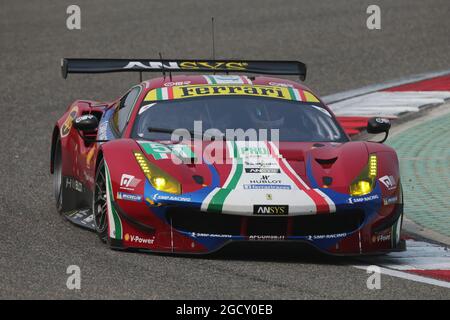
[57, 176]
[99, 206]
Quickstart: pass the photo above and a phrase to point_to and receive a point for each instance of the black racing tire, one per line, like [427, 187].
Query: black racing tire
[99, 203]
[57, 176]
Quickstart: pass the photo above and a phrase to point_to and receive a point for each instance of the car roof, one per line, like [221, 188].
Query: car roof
[174, 87]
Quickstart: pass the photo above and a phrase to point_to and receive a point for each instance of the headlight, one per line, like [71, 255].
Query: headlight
[366, 180]
[159, 179]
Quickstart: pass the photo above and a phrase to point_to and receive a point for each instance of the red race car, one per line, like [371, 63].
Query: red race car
[191, 163]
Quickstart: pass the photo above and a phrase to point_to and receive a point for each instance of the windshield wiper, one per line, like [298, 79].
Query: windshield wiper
[161, 130]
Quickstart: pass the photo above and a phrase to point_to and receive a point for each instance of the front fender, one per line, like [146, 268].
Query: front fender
[129, 213]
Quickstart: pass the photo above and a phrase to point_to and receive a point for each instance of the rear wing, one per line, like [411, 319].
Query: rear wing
[290, 68]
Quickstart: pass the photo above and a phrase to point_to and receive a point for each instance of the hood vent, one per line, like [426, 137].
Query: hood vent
[326, 163]
[198, 179]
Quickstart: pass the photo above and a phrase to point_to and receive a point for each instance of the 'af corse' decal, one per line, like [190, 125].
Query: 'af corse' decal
[128, 182]
[65, 129]
[388, 182]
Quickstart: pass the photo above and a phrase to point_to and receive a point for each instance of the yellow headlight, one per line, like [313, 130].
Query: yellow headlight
[159, 182]
[159, 179]
[360, 188]
[365, 182]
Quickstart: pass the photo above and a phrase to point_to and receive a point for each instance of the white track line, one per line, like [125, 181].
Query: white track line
[419, 256]
[409, 276]
[388, 103]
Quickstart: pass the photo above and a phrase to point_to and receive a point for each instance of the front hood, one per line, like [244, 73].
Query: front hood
[247, 177]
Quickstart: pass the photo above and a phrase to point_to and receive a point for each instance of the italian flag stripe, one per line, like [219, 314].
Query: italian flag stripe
[321, 204]
[158, 94]
[298, 95]
[170, 93]
[211, 80]
[218, 199]
[302, 95]
[207, 79]
[116, 230]
[294, 93]
[246, 80]
[165, 96]
[291, 93]
[164, 93]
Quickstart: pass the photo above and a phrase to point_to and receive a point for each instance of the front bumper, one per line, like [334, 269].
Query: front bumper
[344, 232]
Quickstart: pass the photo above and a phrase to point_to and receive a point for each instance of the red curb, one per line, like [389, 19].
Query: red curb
[355, 124]
[434, 84]
[436, 274]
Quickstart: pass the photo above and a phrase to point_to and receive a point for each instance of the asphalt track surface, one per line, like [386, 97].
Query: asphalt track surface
[330, 36]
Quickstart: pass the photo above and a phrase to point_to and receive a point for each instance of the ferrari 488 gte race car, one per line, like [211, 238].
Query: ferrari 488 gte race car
[191, 163]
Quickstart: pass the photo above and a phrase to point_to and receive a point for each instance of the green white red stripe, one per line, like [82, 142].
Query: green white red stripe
[296, 94]
[215, 200]
[165, 93]
[242, 189]
[114, 223]
[323, 203]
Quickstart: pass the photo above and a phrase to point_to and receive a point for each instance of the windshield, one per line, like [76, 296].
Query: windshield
[296, 121]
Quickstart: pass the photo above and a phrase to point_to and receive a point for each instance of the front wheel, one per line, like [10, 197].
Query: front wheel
[99, 203]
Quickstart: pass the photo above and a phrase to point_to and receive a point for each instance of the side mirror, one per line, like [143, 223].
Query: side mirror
[86, 126]
[379, 125]
[87, 123]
